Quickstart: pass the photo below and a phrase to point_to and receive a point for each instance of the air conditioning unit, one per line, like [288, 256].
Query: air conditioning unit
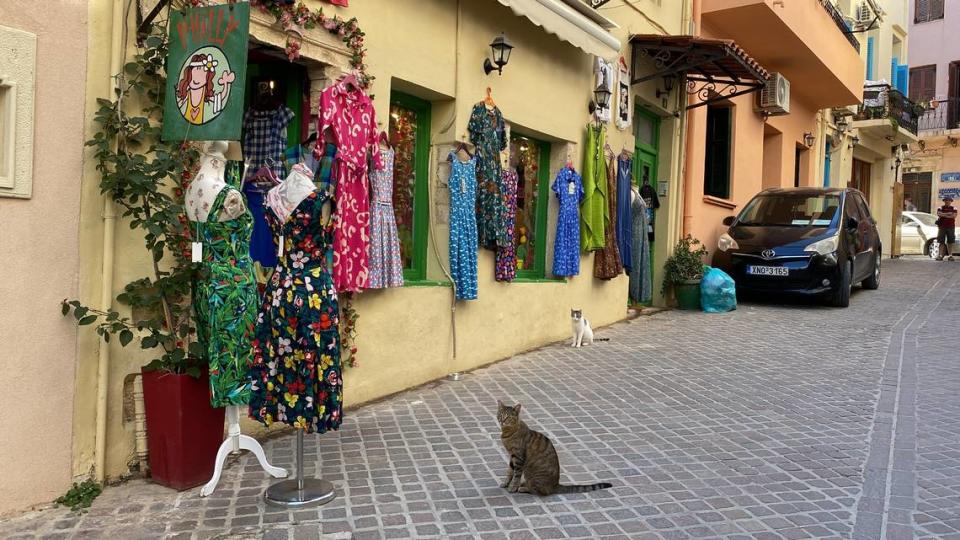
[864, 13]
[775, 96]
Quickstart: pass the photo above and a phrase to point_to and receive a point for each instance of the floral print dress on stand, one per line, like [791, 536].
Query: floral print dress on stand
[506, 269]
[488, 134]
[386, 267]
[296, 354]
[566, 250]
[225, 300]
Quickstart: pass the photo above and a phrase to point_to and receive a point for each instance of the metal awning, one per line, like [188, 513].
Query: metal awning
[571, 21]
[715, 69]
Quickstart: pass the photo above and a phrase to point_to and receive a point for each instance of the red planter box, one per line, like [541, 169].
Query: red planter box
[183, 431]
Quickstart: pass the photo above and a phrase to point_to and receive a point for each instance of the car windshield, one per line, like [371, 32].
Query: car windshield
[927, 219]
[790, 210]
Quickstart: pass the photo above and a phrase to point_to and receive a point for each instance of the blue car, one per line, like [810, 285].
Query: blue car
[802, 241]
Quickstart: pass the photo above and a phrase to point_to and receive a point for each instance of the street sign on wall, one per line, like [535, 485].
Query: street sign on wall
[953, 192]
[206, 73]
[950, 177]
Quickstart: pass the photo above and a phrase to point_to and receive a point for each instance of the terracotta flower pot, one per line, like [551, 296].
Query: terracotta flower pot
[183, 431]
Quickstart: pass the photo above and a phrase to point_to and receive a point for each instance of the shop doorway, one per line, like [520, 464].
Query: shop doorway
[646, 157]
[283, 82]
[860, 179]
[917, 185]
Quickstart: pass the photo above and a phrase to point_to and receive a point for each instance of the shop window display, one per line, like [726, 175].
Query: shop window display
[529, 158]
[410, 138]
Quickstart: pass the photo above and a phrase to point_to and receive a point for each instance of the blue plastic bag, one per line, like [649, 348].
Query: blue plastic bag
[718, 292]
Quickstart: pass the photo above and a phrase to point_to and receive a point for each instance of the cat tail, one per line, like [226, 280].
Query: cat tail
[601, 339]
[583, 488]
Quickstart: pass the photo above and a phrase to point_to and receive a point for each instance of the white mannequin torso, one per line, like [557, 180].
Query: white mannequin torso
[284, 198]
[208, 184]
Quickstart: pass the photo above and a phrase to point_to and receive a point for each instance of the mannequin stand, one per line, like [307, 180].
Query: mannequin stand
[299, 492]
[236, 442]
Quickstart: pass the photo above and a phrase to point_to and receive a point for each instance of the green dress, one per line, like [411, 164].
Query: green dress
[594, 211]
[225, 301]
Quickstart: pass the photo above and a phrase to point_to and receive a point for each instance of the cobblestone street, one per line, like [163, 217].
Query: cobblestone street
[772, 421]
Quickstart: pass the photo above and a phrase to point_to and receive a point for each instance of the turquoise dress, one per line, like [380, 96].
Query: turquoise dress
[463, 226]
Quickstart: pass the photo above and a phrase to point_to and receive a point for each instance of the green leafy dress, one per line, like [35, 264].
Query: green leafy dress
[225, 301]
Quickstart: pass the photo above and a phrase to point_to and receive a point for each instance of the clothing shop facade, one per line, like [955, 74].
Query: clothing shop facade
[429, 96]
[735, 148]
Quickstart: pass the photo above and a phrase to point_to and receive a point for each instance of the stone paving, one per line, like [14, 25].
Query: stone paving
[773, 421]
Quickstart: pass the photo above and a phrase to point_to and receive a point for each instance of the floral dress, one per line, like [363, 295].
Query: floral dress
[488, 134]
[296, 353]
[463, 226]
[566, 250]
[606, 262]
[507, 255]
[386, 267]
[225, 300]
[349, 115]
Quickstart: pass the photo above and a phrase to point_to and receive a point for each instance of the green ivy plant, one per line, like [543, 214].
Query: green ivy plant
[145, 178]
[81, 495]
[685, 264]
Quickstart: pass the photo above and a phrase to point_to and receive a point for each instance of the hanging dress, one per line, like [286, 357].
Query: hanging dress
[296, 353]
[264, 144]
[349, 115]
[506, 267]
[566, 248]
[225, 300]
[386, 267]
[594, 215]
[624, 220]
[606, 262]
[488, 134]
[641, 287]
[463, 226]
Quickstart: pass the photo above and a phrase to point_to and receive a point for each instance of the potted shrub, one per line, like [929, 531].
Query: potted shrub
[146, 177]
[683, 271]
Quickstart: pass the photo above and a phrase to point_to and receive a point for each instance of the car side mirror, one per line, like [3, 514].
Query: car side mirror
[728, 221]
[853, 224]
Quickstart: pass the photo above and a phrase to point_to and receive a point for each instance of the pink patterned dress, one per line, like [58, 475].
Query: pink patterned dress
[349, 115]
[386, 268]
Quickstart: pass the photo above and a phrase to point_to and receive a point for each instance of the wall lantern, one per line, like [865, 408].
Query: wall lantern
[809, 139]
[842, 123]
[601, 99]
[668, 81]
[855, 140]
[500, 47]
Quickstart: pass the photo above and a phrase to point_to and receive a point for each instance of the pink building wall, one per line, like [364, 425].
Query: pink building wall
[936, 42]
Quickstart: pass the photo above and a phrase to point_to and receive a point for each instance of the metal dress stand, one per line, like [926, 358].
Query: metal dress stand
[236, 442]
[298, 492]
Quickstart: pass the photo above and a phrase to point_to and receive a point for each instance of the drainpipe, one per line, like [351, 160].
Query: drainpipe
[689, 187]
[106, 281]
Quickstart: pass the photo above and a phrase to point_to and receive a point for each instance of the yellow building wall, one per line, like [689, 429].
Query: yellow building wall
[38, 247]
[434, 49]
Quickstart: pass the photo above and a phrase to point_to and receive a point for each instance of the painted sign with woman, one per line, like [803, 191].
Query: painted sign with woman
[207, 70]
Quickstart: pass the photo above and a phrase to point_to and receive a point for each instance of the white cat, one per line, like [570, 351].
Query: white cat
[582, 333]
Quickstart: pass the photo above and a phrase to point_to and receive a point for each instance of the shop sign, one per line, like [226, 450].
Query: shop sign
[206, 73]
[950, 177]
[953, 192]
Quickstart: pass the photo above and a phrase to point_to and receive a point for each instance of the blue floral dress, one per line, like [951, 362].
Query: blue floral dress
[296, 354]
[463, 226]
[566, 249]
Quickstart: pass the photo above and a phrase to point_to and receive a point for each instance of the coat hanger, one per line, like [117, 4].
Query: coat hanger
[384, 139]
[350, 80]
[463, 146]
[488, 101]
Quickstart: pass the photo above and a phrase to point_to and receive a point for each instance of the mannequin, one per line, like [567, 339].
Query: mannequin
[284, 198]
[216, 319]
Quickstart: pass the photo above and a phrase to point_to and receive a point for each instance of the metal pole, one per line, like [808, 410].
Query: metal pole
[300, 461]
[300, 491]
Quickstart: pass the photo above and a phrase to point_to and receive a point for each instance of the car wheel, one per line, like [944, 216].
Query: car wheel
[933, 249]
[873, 282]
[841, 297]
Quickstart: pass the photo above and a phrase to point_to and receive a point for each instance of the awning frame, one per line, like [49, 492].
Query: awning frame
[690, 61]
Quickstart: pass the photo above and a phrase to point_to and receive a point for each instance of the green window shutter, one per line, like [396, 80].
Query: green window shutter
[410, 133]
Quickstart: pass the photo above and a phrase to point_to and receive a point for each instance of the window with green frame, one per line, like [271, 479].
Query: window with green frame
[530, 158]
[410, 138]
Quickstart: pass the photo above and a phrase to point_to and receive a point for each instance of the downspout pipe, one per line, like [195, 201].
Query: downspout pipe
[689, 187]
[106, 281]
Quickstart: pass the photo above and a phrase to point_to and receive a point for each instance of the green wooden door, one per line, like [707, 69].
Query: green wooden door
[646, 128]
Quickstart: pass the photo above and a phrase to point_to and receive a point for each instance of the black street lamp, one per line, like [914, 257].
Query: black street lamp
[501, 48]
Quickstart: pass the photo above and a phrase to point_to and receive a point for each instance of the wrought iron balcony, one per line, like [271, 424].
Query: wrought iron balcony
[838, 20]
[881, 101]
[940, 115]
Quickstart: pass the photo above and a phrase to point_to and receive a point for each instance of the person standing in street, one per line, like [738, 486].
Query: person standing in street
[946, 222]
[908, 205]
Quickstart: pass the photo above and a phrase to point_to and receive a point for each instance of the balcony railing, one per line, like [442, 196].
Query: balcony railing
[838, 20]
[883, 101]
[941, 115]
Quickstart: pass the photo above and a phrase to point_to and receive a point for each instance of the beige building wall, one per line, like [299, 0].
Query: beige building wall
[433, 49]
[38, 244]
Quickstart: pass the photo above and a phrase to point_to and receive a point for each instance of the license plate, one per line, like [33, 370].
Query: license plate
[768, 270]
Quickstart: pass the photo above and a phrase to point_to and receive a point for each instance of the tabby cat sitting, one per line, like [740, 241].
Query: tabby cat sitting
[534, 465]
